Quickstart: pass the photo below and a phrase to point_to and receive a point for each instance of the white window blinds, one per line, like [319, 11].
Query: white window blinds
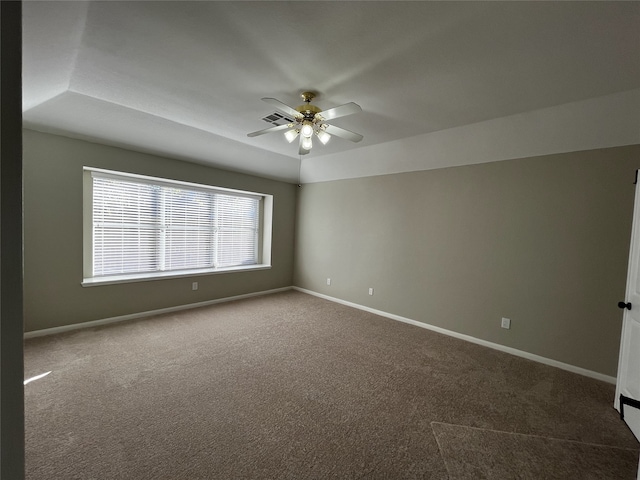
[143, 227]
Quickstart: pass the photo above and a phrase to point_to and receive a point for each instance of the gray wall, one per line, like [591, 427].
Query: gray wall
[53, 294]
[543, 241]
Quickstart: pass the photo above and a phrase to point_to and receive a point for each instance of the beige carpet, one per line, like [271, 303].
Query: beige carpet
[290, 386]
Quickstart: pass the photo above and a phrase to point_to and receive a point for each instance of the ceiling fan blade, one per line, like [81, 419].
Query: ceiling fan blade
[342, 133]
[302, 150]
[283, 107]
[340, 111]
[268, 130]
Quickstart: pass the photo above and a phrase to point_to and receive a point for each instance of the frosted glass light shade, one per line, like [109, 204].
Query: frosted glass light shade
[307, 143]
[323, 136]
[291, 135]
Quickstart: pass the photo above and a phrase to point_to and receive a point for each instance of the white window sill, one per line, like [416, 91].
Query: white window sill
[145, 277]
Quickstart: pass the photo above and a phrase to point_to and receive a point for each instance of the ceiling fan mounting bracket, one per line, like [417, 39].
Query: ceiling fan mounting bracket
[308, 96]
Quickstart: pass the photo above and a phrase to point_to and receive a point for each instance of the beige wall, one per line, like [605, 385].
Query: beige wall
[53, 295]
[543, 241]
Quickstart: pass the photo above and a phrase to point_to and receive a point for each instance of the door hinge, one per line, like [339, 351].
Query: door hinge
[627, 401]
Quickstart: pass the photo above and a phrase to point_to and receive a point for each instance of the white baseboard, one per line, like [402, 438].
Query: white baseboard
[122, 318]
[468, 338]
[444, 331]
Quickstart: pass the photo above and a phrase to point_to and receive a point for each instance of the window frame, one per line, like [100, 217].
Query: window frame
[264, 229]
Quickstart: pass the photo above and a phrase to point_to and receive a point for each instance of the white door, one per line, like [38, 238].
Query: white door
[628, 382]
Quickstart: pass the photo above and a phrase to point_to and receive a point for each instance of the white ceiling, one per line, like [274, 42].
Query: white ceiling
[184, 79]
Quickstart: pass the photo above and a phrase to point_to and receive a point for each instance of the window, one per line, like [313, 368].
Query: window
[139, 227]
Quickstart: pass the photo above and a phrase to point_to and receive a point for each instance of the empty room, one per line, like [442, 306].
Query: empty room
[311, 240]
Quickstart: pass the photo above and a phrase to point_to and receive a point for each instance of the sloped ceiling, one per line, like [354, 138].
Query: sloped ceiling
[436, 80]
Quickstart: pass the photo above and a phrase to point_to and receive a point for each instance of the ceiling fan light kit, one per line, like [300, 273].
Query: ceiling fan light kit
[310, 120]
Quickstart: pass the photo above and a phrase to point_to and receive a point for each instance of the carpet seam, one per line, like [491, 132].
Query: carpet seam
[532, 436]
[444, 461]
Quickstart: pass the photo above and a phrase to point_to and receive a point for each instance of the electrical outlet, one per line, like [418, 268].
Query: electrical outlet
[506, 323]
[194, 286]
[328, 281]
[371, 291]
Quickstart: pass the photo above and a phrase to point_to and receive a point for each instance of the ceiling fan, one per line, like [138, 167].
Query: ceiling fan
[308, 120]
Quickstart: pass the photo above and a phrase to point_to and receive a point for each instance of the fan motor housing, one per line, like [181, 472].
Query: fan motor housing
[308, 111]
